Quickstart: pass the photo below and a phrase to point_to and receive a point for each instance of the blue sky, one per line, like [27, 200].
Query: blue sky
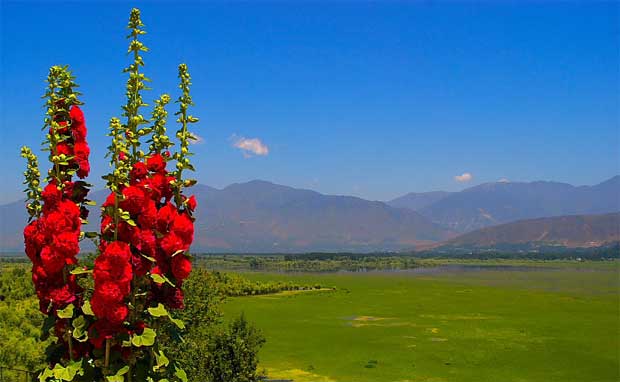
[369, 99]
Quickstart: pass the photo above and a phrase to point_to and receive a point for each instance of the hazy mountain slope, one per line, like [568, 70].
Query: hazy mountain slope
[496, 203]
[260, 216]
[567, 231]
[418, 200]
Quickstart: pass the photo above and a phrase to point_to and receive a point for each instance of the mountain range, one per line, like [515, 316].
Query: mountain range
[576, 231]
[260, 216]
[496, 203]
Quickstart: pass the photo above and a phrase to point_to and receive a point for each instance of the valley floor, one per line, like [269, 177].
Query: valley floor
[528, 323]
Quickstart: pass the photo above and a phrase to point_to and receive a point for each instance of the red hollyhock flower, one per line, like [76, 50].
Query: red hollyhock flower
[191, 203]
[99, 331]
[61, 129]
[33, 239]
[133, 199]
[76, 114]
[183, 227]
[156, 163]
[61, 297]
[78, 124]
[63, 148]
[83, 170]
[141, 265]
[126, 232]
[51, 195]
[67, 190]
[138, 172]
[165, 217]
[117, 314]
[170, 296]
[107, 225]
[181, 267]
[159, 184]
[53, 261]
[148, 217]
[145, 242]
[174, 298]
[113, 264]
[66, 243]
[171, 243]
[109, 201]
[66, 217]
[81, 151]
[109, 292]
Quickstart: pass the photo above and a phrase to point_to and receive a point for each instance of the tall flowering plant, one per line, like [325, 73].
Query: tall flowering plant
[108, 320]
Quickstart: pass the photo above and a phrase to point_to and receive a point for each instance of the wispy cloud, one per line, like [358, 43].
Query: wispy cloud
[250, 146]
[504, 180]
[199, 140]
[465, 177]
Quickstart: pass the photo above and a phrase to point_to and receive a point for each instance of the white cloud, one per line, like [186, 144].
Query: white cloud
[465, 177]
[250, 146]
[196, 141]
[504, 180]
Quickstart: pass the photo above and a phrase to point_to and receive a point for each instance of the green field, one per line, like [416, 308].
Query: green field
[552, 323]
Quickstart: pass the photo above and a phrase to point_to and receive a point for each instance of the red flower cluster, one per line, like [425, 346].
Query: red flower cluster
[73, 143]
[51, 241]
[112, 274]
[158, 231]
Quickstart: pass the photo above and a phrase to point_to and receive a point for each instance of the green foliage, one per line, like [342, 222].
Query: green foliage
[206, 344]
[32, 179]
[233, 354]
[20, 320]
[309, 262]
[159, 141]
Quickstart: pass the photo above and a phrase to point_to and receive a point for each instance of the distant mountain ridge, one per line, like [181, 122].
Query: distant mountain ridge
[491, 204]
[418, 200]
[260, 216]
[576, 231]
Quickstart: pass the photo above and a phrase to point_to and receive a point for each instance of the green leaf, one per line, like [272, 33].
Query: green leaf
[67, 312]
[118, 377]
[81, 271]
[90, 203]
[151, 259]
[147, 338]
[91, 235]
[159, 279]
[178, 252]
[178, 322]
[45, 374]
[180, 373]
[63, 373]
[86, 308]
[158, 311]
[161, 360]
[78, 329]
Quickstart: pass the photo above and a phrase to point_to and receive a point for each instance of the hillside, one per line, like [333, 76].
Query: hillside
[418, 200]
[577, 231]
[260, 216]
[492, 204]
